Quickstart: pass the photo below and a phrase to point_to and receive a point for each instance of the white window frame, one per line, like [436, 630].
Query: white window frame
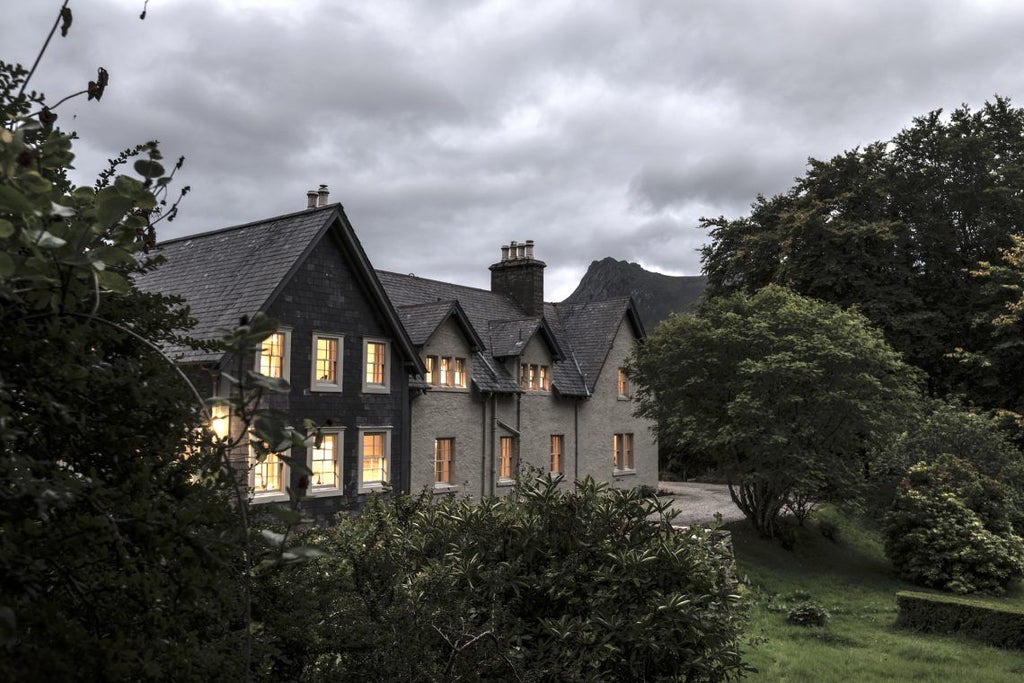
[445, 485]
[269, 496]
[286, 359]
[367, 487]
[324, 490]
[632, 453]
[373, 387]
[316, 384]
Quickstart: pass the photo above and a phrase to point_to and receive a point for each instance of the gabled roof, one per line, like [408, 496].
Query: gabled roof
[234, 272]
[591, 328]
[510, 337]
[422, 320]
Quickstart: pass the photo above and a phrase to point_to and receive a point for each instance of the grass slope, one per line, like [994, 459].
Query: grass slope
[850, 578]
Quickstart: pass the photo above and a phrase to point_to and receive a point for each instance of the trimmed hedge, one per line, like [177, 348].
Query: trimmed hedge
[993, 624]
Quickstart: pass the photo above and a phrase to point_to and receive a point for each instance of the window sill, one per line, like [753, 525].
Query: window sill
[376, 389]
[277, 497]
[622, 397]
[445, 488]
[372, 488]
[506, 482]
[326, 388]
[323, 492]
[442, 387]
[623, 473]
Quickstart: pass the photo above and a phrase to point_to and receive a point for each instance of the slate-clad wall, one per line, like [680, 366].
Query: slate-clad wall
[325, 296]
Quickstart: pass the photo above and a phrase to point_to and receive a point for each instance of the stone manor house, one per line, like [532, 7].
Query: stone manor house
[424, 384]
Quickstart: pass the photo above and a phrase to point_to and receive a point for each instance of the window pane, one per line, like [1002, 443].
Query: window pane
[431, 369]
[374, 458]
[267, 474]
[444, 460]
[544, 383]
[272, 355]
[524, 376]
[506, 464]
[325, 461]
[557, 444]
[460, 373]
[375, 355]
[326, 360]
[446, 372]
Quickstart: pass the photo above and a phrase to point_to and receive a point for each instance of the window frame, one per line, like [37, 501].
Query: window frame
[509, 478]
[316, 384]
[375, 485]
[449, 484]
[269, 496]
[557, 455]
[286, 354]
[624, 387]
[324, 490]
[621, 464]
[534, 377]
[383, 387]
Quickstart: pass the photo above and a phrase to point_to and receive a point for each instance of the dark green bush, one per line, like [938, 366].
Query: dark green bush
[808, 614]
[998, 626]
[546, 584]
[950, 528]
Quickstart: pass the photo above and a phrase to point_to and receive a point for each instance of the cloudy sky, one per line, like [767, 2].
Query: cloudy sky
[450, 127]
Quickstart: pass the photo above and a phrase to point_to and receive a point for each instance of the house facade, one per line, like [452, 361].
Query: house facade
[416, 384]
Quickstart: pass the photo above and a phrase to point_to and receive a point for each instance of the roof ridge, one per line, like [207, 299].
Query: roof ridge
[273, 219]
[440, 282]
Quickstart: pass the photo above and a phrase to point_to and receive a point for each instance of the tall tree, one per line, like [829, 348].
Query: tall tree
[789, 395]
[894, 228]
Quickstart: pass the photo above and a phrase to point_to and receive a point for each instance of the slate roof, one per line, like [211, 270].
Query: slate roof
[234, 272]
[591, 329]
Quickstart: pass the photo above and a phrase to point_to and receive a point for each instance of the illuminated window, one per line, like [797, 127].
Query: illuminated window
[375, 366]
[459, 373]
[625, 391]
[444, 461]
[622, 457]
[268, 479]
[272, 358]
[326, 363]
[534, 377]
[374, 458]
[445, 377]
[557, 452]
[507, 464]
[220, 421]
[324, 462]
[431, 363]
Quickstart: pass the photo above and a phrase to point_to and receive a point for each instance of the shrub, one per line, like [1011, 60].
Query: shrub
[995, 625]
[808, 614]
[949, 528]
[542, 585]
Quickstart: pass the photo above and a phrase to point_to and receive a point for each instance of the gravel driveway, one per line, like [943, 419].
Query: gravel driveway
[697, 503]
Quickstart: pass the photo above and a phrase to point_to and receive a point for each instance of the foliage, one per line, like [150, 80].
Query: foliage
[788, 394]
[546, 584]
[895, 228]
[950, 528]
[808, 614]
[996, 625]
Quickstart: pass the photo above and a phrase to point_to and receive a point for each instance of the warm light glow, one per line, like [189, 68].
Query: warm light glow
[220, 421]
[375, 355]
[460, 373]
[431, 369]
[534, 377]
[272, 350]
[445, 378]
[544, 382]
[266, 475]
[444, 460]
[325, 462]
[327, 360]
[624, 389]
[622, 457]
[374, 458]
[506, 464]
[557, 448]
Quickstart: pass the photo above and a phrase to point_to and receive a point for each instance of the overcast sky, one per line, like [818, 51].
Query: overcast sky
[448, 128]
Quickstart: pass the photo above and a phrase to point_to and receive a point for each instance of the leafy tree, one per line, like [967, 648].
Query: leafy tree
[949, 528]
[895, 228]
[788, 394]
[548, 585]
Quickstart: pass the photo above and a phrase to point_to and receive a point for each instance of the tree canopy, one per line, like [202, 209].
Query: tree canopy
[788, 394]
[896, 228]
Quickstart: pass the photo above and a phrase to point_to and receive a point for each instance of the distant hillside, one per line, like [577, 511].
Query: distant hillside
[656, 295]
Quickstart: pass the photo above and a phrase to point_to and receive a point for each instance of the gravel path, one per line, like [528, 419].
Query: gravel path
[697, 503]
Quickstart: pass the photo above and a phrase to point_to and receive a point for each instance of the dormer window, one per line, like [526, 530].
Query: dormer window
[446, 371]
[534, 377]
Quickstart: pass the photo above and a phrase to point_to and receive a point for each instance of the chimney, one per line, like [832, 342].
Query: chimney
[322, 196]
[311, 199]
[520, 277]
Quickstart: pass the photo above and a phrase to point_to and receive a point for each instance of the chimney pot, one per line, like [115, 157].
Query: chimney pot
[513, 250]
[322, 194]
[311, 199]
[529, 249]
[504, 252]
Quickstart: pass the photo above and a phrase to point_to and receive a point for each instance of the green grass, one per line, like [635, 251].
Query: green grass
[851, 579]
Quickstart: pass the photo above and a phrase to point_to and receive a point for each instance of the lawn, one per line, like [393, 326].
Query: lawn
[852, 580]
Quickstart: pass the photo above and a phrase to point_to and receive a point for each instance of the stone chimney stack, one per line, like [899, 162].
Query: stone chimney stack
[520, 277]
[322, 194]
[311, 199]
